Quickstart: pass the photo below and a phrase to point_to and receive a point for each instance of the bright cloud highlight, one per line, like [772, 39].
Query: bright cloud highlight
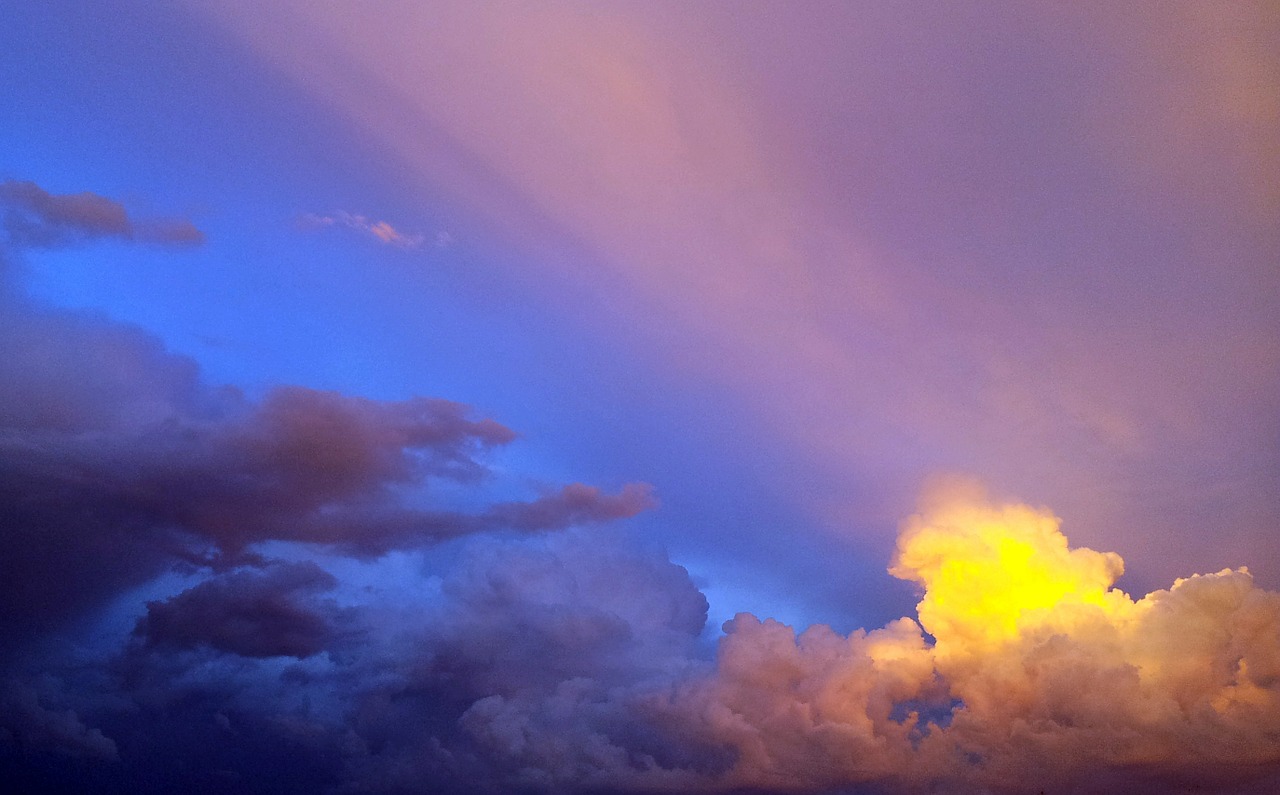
[1041, 674]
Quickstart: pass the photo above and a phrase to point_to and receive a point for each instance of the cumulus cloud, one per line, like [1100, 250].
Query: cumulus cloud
[532, 668]
[382, 231]
[1060, 674]
[575, 663]
[544, 655]
[1041, 674]
[33, 217]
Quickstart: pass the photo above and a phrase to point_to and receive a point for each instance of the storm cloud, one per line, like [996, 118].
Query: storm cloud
[253, 613]
[117, 460]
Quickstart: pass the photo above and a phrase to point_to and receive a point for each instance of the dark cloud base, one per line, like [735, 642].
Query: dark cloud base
[118, 464]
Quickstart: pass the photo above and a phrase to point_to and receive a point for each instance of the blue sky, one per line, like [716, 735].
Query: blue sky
[268, 302]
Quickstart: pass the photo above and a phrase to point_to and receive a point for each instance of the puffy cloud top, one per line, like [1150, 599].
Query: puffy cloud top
[991, 571]
[1042, 675]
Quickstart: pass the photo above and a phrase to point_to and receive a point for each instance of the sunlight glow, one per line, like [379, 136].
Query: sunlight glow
[993, 572]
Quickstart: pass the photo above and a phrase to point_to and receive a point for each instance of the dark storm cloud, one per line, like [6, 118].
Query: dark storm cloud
[254, 613]
[117, 460]
[99, 498]
[30, 725]
[36, 218]
[162, 466]
[531, 670]
[81, 400]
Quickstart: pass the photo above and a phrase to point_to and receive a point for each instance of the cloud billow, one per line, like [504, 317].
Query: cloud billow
[1038, 675]
[251, 613]
[573, 663]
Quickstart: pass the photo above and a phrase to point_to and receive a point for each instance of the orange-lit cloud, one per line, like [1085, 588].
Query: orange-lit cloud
[992, 572]
[1041, 674]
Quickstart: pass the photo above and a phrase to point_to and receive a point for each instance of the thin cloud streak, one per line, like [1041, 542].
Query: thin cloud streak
[33, 217]
[381, 231]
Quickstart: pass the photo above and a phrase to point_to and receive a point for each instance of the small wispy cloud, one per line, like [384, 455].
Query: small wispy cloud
[382, 231]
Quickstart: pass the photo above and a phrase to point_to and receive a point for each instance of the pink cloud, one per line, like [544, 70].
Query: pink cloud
[382, 231]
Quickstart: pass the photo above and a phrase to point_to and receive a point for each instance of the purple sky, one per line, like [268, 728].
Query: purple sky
[401, 396]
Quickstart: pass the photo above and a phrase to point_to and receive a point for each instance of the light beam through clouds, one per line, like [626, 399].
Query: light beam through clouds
[901, 237]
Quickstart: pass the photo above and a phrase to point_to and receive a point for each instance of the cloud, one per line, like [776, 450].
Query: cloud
[161, 467]
[1061, 674]
[529, 668]
[1041, 675]
[814, 711]
[117, 460]
[252, 613]
[33, 217]
[573, 504]
[574, 663]
[988, 573]
[605, 623]
[382, 231]
[27, 723]
[179, 470]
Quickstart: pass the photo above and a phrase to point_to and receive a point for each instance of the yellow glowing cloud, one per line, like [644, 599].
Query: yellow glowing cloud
[990, 572]
[1041, 674]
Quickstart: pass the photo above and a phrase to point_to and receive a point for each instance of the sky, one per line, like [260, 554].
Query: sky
[669, 397]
